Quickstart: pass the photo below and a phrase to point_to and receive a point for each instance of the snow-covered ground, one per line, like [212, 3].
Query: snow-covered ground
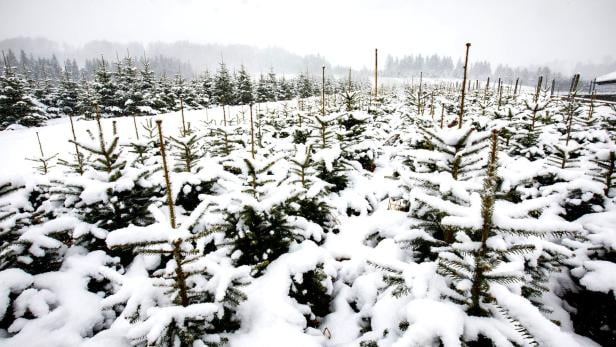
[21, 143]
[380, 270]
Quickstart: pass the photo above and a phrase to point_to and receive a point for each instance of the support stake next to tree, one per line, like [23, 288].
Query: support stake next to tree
[182, 112]
[468, 46]
[323, 91]
[376, 73]
[79, 161]
[44, 162]
[166, 174]
[442, 115]
[252, 134]
[135, 124]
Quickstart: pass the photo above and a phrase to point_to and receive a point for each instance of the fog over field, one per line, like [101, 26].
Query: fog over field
[554, 33]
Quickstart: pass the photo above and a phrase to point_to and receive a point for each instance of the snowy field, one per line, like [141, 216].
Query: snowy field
[19, 144]
[372, 226]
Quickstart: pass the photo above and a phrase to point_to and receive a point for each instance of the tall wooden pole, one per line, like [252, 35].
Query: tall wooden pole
[323, 91]
[468, 46]
[79, 160]
[135, 124]
[252, 134]
[376, 73]
[553, 87]
[538, 89]
[182, 112]
[419, 105]
[350, 81]
[224, 115]
[166, 174]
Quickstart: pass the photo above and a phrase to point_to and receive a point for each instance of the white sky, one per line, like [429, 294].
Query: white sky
[517, 32]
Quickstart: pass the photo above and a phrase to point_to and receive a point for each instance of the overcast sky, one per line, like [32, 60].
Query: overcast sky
[517, 32]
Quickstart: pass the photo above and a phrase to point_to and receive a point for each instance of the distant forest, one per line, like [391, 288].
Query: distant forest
[189, 60]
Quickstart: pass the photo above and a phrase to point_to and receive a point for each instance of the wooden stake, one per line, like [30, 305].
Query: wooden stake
[592, 104]
[79, 161]
[224, 115]
[432, 106]
[376, 73]
[252, 134]
[182, 112]
[323, 91]
[166, 174]
[42, 155]
[468, 46]
[553, 87]
[419, 106]
[538, 89]
[135, 124]
[101, 139]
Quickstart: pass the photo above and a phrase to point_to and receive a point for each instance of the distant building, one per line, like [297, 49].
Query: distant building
[610, 78]
[606, 86]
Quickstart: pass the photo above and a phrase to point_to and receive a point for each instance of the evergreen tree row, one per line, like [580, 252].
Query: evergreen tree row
[129, 87]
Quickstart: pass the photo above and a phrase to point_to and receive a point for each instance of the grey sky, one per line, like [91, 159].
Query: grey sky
[517, 32]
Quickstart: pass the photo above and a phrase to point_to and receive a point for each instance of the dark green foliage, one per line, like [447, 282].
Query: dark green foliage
[68, 95]
[481, 341]
[324, 131]
[355, 144]
[16, 105]
[223, 86]
[259, 236]
[120, 205]
[564, 157]
[538, 274]
[16, 219]
[305, 86]
[187, 151]
[527, 131]
[123, 208]
[312, 292]
[609, 123]
[477, 262]
[351, 100]
[243, 87]
[336, 177]
[394, 279]
[300, 137]
[313, 209]
[188, 196]
[592, 311]
[425, 246]
[578, 203]
[105, 90]
[605, 172]
[184, 254]
[462, 158]
[223, 141]
[285, 89]
[594, 315]
[106, 156]
[368, 343]
[302, 173]
[44, 163]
